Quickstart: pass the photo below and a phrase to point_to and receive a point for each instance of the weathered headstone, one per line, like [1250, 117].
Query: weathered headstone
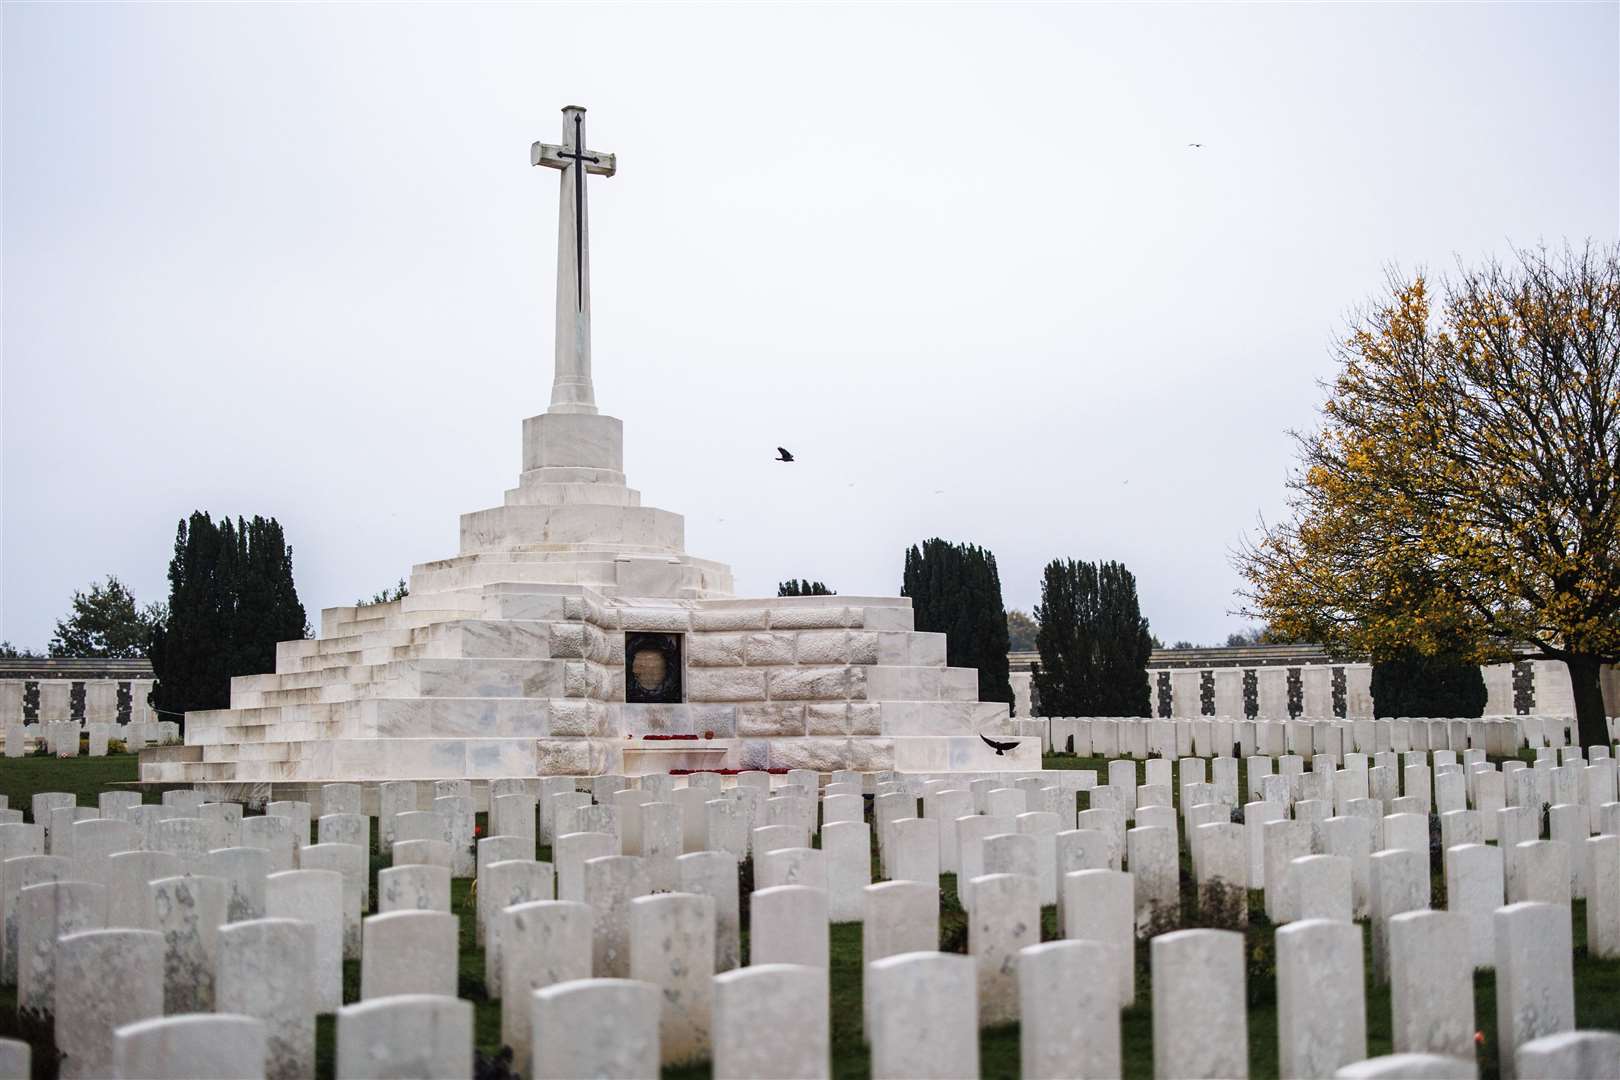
[424, 1035]
[611, 882]
[409, 952]
[786, 1000]
[1399, 881]
[1321, 1006]
[45, 913]
[672, 948]
[315, 897]
[788, 925]
[1069, 1011]
[104, 979]
[1535, 989]
[925, 1017]
[188, 912]
[226, 1047]
[595, 1027]
[267, 970]
[1008, 920]
[714, 874]
[1200, 1019]
[502, 884]
[545, 942]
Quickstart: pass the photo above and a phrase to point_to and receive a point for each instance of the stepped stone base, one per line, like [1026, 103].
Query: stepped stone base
[508, 660]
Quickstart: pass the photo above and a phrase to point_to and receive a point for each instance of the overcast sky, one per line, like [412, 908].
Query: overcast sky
[293, 261]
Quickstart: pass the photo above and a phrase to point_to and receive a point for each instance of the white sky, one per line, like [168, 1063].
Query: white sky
[293, 261]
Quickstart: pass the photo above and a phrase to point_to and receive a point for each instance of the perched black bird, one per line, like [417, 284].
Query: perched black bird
[782, 454]
[1000, 748]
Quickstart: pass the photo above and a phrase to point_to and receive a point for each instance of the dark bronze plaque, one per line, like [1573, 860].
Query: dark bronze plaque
[652, 669]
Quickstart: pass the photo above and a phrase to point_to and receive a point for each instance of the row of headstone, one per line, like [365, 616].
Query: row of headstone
[67, 738]
[1143, 737]
[791, 907]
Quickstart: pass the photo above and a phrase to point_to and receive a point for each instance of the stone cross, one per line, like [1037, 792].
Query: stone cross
[571, 390]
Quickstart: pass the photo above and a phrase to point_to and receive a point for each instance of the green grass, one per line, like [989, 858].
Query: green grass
[1597, 982]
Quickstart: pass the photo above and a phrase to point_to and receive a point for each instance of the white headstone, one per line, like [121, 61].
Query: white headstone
[104, 980]
[1007, 919]
[714, 874]
[788, 925]
[672, 948]
[786, 1000]
[1535, 988]
[611, 882]
[267, 970]
[314, 897]
[1321, 1006]
[1474, 890]
[188, 912]
[225, 1046]
[1400, 882]
[1200, 1016]
[1431, 983]
[418, 1035]
[1069, 1011]
[595, 1027]
[545, 942]
[924, 1017]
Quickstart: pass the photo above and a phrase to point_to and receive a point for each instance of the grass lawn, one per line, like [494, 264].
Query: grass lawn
[1597, 983]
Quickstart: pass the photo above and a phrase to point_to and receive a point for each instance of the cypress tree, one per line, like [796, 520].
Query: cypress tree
[955, 590]
[1093, 641]
[231, 598]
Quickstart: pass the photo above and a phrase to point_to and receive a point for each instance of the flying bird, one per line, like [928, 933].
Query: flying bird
[1195, 145]
[782, 454]
[1000, 748]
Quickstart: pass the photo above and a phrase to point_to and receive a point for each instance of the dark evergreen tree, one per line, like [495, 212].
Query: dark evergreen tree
[231, 598]
[955, 590]
[1093, 641]
[801, 587]
[1412, 684]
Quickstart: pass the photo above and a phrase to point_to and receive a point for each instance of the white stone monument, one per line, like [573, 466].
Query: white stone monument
[573, 634]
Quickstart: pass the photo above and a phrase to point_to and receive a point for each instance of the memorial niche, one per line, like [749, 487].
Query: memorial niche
[652, 669]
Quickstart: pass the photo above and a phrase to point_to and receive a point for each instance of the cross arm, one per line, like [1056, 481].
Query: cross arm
[560, 157]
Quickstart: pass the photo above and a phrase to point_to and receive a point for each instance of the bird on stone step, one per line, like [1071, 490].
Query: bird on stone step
[1000, 748]
[782, 454]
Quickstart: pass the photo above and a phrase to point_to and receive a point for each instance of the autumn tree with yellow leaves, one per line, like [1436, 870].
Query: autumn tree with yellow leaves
[1462, 495]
